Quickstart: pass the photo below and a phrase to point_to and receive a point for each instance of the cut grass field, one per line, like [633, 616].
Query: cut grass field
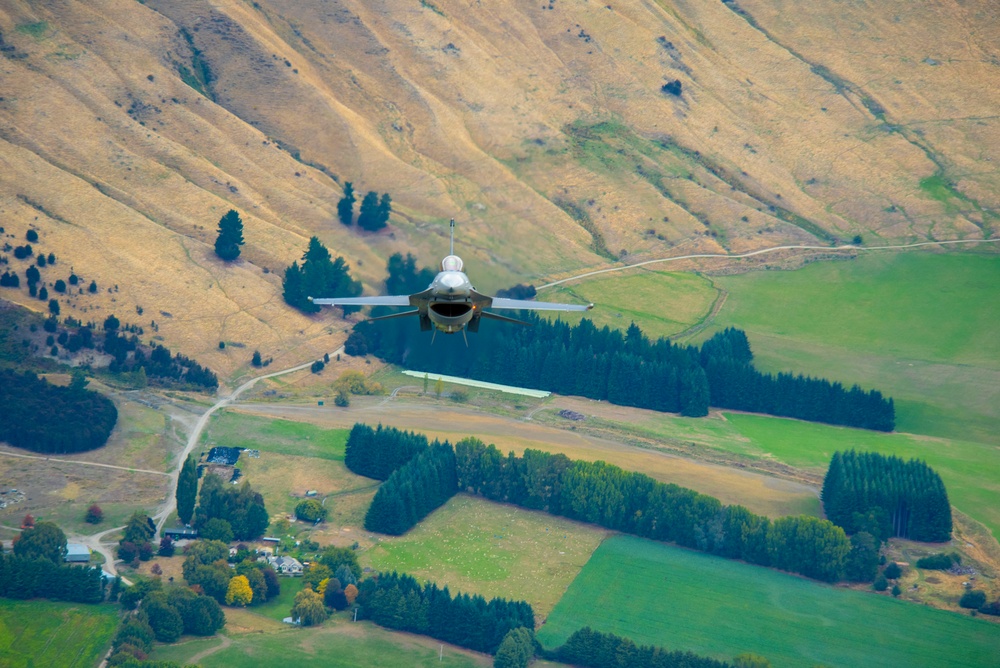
[283, 437]
[39, 634]
[480, 547]
[920, 327]
[685, 600]
[662, 303]
[338, 643]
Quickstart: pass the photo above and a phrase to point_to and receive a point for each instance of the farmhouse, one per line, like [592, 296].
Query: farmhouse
[285, 565]
[77, 553]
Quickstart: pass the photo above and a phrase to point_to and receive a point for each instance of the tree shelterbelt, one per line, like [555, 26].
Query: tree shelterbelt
[886, 496]
[594, 649]
[398, 601]
[376, 453]
[46, 418]
[413, 491]
[627, 369]
[606, 495]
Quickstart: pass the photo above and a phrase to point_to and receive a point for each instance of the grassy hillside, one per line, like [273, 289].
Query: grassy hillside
[127, 129]
[42, 634]
[679, 599]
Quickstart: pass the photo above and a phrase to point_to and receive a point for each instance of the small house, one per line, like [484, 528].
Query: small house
[77, 553]
[285, 565]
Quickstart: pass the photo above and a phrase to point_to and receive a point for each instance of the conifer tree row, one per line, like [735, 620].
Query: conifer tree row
[376, 453]
[24, 578]
[42, 417]
[398, 601]
[887, 496]
[627, 369]
[634, 503]
[593, 649]
[601, 494]
[413, 491]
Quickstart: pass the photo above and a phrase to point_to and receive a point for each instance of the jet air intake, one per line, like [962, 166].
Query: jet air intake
[450, 317]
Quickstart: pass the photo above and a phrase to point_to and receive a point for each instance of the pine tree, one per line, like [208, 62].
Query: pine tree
[187, 488]
[227, 244]
[345, 207]
[369, 215]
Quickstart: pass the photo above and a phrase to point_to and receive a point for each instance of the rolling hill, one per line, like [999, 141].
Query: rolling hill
[127, 129]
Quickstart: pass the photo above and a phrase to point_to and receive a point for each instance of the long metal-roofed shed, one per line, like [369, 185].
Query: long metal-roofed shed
[77, 553]
[180, 534]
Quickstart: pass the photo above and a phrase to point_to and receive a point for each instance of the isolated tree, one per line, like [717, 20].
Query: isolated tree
[59, 285]
[43, 540]
[187, 489]
[310, 510]
[54, 306]
[31, 236]
[892, 571]
[227, 244]
[256, 360]
[880, 584]
[94, 514]
[43, 294]
[345, 207]
[166, 547]
[368, 216]
[92, 288]
[384, 209]
[896, 591]
[309, 608]
[239, 593]
[52, 258]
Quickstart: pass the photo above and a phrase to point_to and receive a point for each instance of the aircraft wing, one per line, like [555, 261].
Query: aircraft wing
[529, 305]
[400, 300]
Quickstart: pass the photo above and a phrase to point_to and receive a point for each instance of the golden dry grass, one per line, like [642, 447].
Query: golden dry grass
[761, 493]
[489, 113]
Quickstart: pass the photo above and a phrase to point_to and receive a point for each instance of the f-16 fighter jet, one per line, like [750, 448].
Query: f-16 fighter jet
[450, 304]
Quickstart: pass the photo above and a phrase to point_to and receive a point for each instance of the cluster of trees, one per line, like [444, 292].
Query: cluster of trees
[241, 509]
[227, 244]
[374, 213]
[155, 361]
[627, 368]
[165, 614]
[319, 276]
[593, 649]
[37, 569]
[736, 384]
[331, 582]
[939, 562]
[376, 453]
[135, 543]
[10, 280]
[207, 570]
[187, 489]
[634, 503]
[46, 418]
[413, 491]
[886, 496]
[398, 601]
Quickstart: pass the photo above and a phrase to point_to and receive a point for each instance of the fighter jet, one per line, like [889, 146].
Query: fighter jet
[450, 303]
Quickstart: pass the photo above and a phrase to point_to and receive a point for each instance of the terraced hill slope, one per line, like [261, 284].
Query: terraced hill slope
[127, 129]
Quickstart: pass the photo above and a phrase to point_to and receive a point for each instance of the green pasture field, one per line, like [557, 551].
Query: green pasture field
[920, 327]
[284, 437]
[281, 606]
[477, 546]
[684, 600]
[970, 471]
[337, 643]
[38, 634]
[662, 303]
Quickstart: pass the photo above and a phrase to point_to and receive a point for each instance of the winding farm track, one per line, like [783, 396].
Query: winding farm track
[73, 461]
[762, 251]
[170, 503]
